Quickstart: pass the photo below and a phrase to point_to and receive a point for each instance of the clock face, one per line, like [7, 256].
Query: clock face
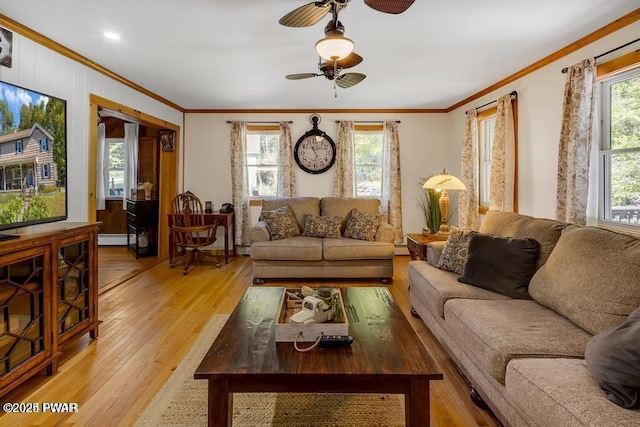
[315, 153]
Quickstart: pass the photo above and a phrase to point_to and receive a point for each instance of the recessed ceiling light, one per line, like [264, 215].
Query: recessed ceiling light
[112, 36]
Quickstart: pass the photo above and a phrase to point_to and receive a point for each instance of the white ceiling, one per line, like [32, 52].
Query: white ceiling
[233, 54]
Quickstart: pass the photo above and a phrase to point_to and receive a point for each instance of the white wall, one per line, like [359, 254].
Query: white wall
[540, 98]
[423, 151]
[38, 68]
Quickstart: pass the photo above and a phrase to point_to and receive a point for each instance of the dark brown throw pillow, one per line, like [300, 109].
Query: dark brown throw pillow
[281, 223]
[501, 264]
[613, 358]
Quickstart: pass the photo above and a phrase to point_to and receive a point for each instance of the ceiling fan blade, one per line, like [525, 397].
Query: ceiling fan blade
[349, 79]
[301, 76]
[350, 61]
[306, 15]
[389, 6]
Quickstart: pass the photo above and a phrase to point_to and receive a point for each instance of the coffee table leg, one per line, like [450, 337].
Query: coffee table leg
[220, 404]
[416, 404]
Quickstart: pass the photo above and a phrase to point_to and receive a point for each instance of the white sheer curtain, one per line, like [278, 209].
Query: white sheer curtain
[102, 169]
[574, 150]
[130, 160]
[468, 200]
[343, 182]
[286, 172]
[239, 181]
[391, 183]
[503, 158]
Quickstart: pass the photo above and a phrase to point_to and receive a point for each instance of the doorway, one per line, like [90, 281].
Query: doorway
[167, 164]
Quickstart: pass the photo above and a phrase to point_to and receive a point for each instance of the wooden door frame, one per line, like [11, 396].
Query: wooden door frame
[168, 180]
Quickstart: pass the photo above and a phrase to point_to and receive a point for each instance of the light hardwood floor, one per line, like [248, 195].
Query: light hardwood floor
[149, 323]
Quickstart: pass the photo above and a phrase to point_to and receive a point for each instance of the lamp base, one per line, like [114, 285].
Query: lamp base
[443, 231]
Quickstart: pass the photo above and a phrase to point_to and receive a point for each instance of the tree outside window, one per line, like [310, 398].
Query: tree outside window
[368, 159]
[262, 162]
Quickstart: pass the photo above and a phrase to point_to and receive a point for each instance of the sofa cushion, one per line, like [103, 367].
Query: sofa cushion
[613, 358]
[562, 390]
[592, 277]
[299, 205]
[494, 332]
[509, 224]
[455, 251]
[362, 225]
[501, 264]
[281, 223]
[322, 226]
[438, 286]
[346, 249]
[299, 248]
[342, 206]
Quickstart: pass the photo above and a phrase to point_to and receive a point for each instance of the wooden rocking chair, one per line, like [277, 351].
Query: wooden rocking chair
[190, 233]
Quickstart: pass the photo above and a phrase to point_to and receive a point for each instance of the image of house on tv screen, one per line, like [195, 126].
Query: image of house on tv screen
[33, 157]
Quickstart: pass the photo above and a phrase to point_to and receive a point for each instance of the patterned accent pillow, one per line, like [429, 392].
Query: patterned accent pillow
[456, 250]
[363, 226]
[322, 226]
[281, 223]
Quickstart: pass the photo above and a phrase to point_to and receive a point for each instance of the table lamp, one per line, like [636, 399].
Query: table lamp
[444, 182]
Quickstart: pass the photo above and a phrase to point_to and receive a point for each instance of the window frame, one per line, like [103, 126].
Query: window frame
[46, 171]
[44, 144]
[608, 74]
[110, 141]
[19, 146]
[483, 116]
[260, 130]
[366, 129]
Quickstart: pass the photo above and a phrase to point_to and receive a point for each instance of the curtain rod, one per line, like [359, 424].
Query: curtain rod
[367, 121]
[263, 123]
[565, 70]
[513, 94]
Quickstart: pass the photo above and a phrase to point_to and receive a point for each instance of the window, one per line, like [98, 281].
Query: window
[19, 146]
[44, 144]
[486, 132]
[620, 150]
[368, 160]
[46, 171]
[263, 145]
[115, 170]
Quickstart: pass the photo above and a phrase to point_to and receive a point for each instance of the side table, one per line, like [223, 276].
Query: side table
[417, 244]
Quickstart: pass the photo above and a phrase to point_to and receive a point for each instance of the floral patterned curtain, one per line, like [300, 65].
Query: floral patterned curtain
[239, 184]
[468, 200]
[343, 182]
[503, 158]
[391, 185]
[575, 143]
[286, 186]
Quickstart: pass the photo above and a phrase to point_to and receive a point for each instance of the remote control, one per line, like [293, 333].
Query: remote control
[336, 341]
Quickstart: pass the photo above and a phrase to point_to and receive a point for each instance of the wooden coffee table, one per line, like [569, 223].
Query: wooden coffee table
[386, 356]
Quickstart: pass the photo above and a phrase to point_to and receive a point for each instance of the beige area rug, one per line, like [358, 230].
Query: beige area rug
[182, 401]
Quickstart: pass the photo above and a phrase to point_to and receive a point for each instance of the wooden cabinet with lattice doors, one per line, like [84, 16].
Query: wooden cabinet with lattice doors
[48, 295]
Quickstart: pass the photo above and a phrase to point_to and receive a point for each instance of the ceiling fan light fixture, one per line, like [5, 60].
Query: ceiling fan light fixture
[334, 46]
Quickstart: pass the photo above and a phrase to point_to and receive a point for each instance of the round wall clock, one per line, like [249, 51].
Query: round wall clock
[315, 151]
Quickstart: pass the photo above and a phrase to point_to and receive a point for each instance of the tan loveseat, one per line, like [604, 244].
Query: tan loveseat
[313, 257]
[525, 357]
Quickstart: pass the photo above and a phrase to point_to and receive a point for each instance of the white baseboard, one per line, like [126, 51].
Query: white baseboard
[112, 239]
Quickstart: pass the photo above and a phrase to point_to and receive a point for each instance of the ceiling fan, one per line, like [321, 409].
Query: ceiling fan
[313, 12]
[331, 69]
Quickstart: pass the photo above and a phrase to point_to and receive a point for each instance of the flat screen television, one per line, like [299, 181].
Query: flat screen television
[33, 158]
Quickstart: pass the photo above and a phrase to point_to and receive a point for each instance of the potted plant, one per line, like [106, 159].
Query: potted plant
[429, 203]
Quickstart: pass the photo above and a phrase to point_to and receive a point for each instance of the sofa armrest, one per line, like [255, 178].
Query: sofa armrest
[434, 251]
[259, 233]
[385, 233]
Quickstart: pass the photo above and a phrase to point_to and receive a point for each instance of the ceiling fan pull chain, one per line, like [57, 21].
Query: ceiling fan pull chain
[335, 89]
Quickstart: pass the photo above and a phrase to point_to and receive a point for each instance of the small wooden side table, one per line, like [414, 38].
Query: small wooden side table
[417, 244]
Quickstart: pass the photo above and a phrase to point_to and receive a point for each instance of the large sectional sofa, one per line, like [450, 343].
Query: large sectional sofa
[320, 257]
[526, 357]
